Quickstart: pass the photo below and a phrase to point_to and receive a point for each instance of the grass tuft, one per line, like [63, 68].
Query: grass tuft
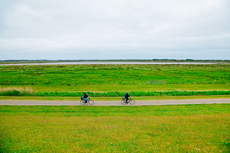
[16, 91]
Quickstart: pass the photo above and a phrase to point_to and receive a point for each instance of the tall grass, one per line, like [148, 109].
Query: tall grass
[134, 93]
[29, 92]
[16, 91]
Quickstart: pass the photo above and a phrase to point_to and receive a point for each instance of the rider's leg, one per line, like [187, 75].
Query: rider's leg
[127, 100]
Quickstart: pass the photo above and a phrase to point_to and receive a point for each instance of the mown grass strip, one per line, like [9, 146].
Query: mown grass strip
[167, 110]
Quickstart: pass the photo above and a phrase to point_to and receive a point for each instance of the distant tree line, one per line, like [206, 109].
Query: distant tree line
[143, 60]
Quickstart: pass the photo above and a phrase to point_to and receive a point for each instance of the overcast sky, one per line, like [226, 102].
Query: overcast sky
[114, 29]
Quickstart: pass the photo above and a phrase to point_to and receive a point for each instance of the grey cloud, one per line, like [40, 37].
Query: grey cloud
[121, 29]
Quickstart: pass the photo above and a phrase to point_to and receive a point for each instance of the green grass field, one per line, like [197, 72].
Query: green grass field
[181, 128]
[136, 79]
[78, 75]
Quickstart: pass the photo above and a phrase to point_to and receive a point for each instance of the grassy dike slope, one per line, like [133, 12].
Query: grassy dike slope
[116, 78]
[181, 128]
[137, 75]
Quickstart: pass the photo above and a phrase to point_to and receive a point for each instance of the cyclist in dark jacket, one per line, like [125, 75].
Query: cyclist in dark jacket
[127, 97]
[85, 97]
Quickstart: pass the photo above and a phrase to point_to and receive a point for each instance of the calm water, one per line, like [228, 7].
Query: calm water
[65, 63]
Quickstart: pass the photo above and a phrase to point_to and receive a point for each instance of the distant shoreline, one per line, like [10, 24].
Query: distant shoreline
[104, 62]
[134, 61]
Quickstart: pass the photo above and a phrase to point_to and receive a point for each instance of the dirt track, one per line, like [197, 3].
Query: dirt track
[116, 103]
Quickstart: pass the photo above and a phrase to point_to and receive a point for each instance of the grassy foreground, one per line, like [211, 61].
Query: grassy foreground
[182, 128]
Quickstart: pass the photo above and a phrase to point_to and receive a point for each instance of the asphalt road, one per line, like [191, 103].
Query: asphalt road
[116, 103]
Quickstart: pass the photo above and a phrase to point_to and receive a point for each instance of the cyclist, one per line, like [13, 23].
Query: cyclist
[85, 97]
[127, 97]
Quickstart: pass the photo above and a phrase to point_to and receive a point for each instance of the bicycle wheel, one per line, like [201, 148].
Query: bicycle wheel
[82, 102]
[132, 102]
[91, 102]
[123, 102]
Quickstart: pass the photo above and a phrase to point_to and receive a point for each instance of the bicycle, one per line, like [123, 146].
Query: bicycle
[89, 101]
[130, 101]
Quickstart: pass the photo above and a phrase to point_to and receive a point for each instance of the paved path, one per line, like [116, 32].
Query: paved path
[116, 103]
